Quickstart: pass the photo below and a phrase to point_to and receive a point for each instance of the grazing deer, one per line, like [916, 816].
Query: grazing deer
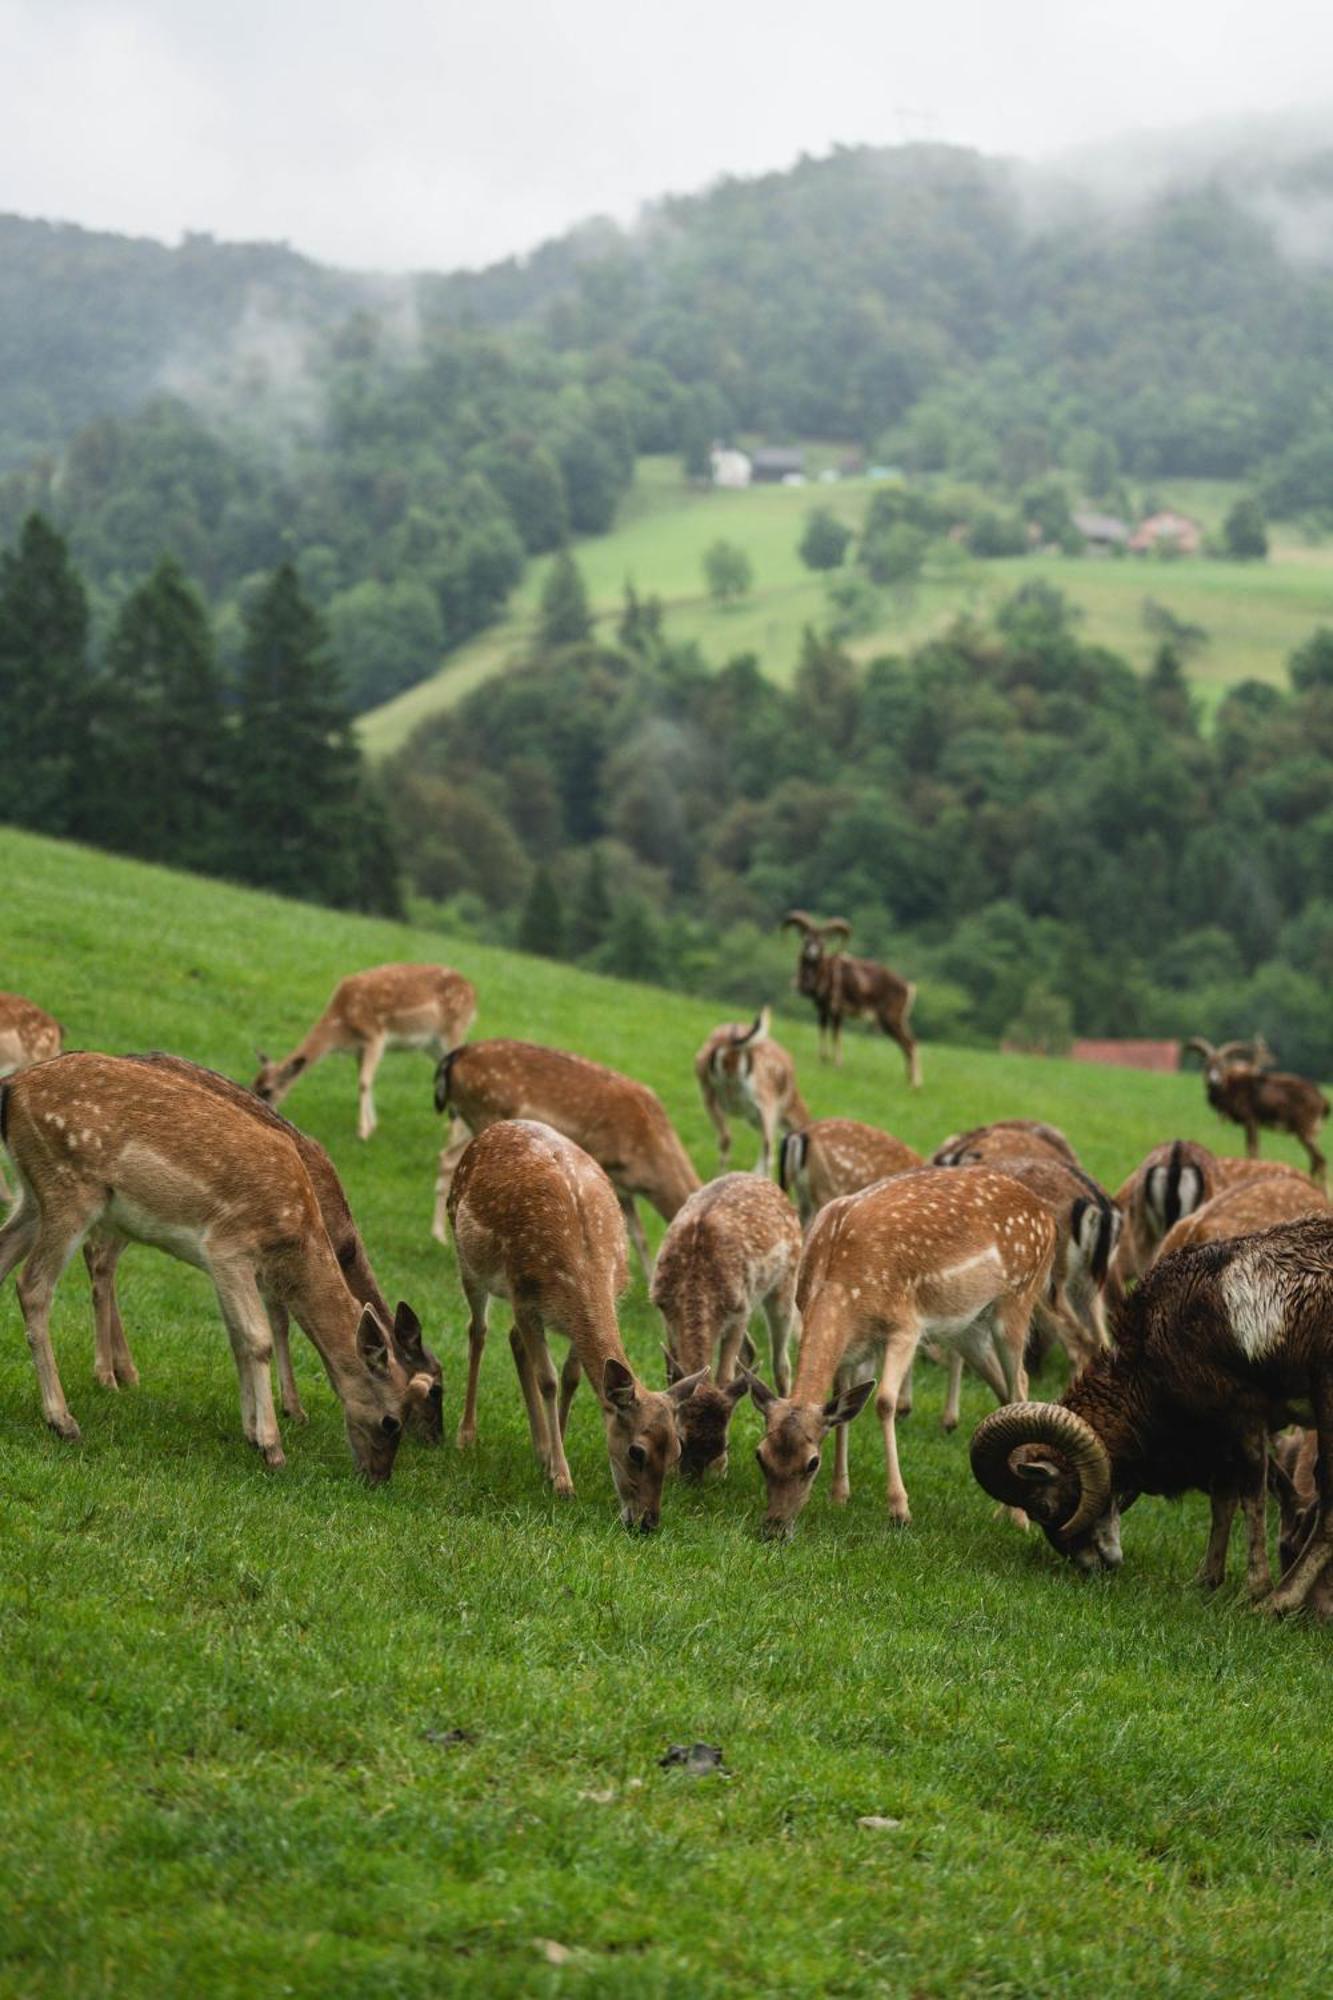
[834, 1156]
[843, 987]
[1174, 1180]
[390, 1007]
[1240, 1087]
[743, 1073]
[537, 1222]
[1087, 1228]
[733, 1247]
[104, 1141]
[1240, 1210]
[1004, 1138]
[619, 1122]
[956, 1256]
[102, 1250]
[28, 1034]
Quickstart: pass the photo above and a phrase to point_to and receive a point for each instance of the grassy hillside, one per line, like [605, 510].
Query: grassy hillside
[271, 1732]
[1255, 614]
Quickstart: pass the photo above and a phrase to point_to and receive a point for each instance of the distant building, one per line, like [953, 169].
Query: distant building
[1103, 533]
[1173, 533]
[1125, 1054]
[772, 465]
[730, 467]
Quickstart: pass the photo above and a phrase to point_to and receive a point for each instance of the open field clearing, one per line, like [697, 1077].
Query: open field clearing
[271, 1732]
[1254, 613]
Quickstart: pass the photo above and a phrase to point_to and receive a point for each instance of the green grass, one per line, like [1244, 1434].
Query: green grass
[224, 1760]
[1255, 613]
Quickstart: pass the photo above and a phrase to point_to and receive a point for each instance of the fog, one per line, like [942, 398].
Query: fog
[411, 136]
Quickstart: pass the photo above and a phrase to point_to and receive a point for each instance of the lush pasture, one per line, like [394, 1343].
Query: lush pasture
[273, 1733]
[1255, 613]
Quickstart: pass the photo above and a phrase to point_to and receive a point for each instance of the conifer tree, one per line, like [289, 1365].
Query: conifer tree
[44, 683]
[161, 765]
[565, 617]
[592, 907]
[305, 821]
[541, 928]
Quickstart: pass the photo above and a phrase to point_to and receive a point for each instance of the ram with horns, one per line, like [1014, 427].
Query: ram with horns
[1222, 1344]
[851, 988]
[1242, 1086]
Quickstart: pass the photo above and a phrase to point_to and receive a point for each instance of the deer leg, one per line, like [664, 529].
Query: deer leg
[633, 1224]
[897, 1360]
[954, 1396]
[780, 1312]
[730, 1341]
[51, 1251]
[536, 1418]
[768, 1132]
[1251, 1140]
[477, 1301]
[1318, 1164]
[456, 1141]
[570, 1377]
[372, 1053]
[905, 1393]
[842, 1478]
[719, 1123]
[280, 1321]
[542, 1370]
[112, 1361]
[17, 1237]
[251, 1338]
[1212, 1570]
[897, 1032]
[1307, 1578]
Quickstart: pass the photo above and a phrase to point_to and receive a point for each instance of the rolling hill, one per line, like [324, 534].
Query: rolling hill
[275, 1730]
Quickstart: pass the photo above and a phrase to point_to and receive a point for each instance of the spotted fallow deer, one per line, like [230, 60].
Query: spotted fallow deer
[833, 1156]
[1087, 1229]
[28, 1034]
[743, 1073]
[1174, 1180]
[390, 1007]
[733, 1248]
[537, 1222]
[1007, 1137]
[101, 1140]
[956, 1256]
[619, 1122]
[102, 1249]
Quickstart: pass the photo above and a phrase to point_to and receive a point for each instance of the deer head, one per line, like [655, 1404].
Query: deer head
[790, 1451]
[703, 1419]
[642, 1439]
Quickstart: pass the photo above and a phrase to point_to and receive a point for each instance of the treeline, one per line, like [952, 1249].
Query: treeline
[146, 746]
[1046, 842]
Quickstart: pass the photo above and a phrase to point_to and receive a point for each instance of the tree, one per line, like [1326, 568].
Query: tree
[160, 762]
[826, 540]
[1245, 531]
[895, 554]
[633, 947]
[541, 927]
[306, 822]
[728, 572]
[564, 619]
[44, 683]
[592, 906]
[387, 636]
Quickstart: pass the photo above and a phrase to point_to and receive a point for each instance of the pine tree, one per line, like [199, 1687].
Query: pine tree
[592, 907]
[565, 617]
[44, 683]
[160, 764]
[305, 823]
[541, 928]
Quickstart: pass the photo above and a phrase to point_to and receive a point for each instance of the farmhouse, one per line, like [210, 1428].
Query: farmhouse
[730, 467]
[1103, 533]
[774, 464]
[1128, 1053]
[1167, 533]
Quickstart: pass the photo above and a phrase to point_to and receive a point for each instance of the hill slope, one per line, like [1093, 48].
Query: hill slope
[274, 1730]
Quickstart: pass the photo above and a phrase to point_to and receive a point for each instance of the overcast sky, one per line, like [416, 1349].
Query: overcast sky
[429, 133]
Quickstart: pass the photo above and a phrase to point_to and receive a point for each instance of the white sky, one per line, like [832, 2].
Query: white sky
[432, 133]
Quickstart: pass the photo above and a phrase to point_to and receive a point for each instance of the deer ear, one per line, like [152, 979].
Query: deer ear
[407, 1335]
[261, 1058]
[761, 1395]
[372, 1342]
[674, 1371]
[618, 1385]
[296, 1065]
[736, 1388]
[841, 1409]
[684, 1387]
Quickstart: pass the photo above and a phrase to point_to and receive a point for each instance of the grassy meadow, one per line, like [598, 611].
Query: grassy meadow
[1254, 613]
[274, 1733]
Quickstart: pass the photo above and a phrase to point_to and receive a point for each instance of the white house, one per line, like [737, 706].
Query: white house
[730, 467]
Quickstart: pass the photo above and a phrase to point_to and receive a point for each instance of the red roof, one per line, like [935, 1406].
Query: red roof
[1129, 1054]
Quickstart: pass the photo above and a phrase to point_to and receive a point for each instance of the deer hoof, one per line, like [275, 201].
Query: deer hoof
[66, 1428]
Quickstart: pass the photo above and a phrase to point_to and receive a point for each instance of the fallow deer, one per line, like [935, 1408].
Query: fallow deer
[956, 1256]
[28, 1034]
[1174, 1180]
[1003, 1137]
[847, 988]
[390, 1007]
[1242, 1088]
[537, 1222]
[619, 1122]
[743, 1073]
[102, 1250]
[100, 1140]
[833, 1156]
[733, 1248]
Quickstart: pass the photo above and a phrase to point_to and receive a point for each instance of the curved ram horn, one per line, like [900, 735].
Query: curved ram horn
[836, 924]
[1235, 1052]
[998, 1436]
[799, 920]
[1202, 1047]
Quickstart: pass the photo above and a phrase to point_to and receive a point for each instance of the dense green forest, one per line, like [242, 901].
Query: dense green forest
[406, 444]
[1044, 840]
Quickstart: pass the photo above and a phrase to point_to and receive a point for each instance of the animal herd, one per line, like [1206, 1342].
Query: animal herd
[1218, 1273]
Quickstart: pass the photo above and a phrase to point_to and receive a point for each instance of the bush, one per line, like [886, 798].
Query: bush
[825, 542]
